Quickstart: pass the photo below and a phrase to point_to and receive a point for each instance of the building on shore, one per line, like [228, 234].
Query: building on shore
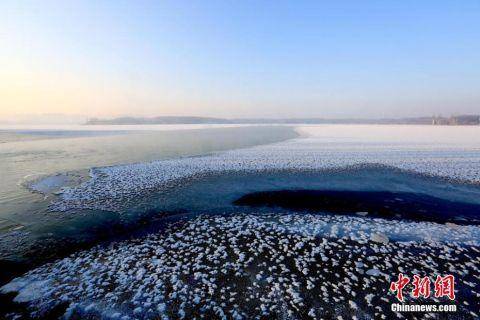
[461, 120]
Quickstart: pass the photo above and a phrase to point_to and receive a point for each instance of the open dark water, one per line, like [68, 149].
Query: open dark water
[218, 193]
[375, 204]
[382, 192]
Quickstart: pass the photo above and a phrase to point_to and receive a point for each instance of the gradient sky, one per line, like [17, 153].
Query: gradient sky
[240, 58]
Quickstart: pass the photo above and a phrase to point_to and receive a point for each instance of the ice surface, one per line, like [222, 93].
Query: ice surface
[245, 266]
[451, 152]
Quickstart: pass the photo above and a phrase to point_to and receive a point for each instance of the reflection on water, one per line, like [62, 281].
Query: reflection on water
[26, 159]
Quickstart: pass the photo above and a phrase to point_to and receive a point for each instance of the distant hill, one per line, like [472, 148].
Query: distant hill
[157, 120]
[207, 120]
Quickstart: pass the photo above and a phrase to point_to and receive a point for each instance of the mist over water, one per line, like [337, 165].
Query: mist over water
[31, 153]
[58, 157]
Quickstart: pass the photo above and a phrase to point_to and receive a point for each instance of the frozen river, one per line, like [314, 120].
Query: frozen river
[101, 185]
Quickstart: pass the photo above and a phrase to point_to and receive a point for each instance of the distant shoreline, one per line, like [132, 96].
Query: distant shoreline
[209, 120]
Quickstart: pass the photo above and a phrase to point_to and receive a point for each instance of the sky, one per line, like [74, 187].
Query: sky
[330, 59]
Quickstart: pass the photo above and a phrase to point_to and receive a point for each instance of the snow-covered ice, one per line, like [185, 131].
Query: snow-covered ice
[244, 266]
[448, 152]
